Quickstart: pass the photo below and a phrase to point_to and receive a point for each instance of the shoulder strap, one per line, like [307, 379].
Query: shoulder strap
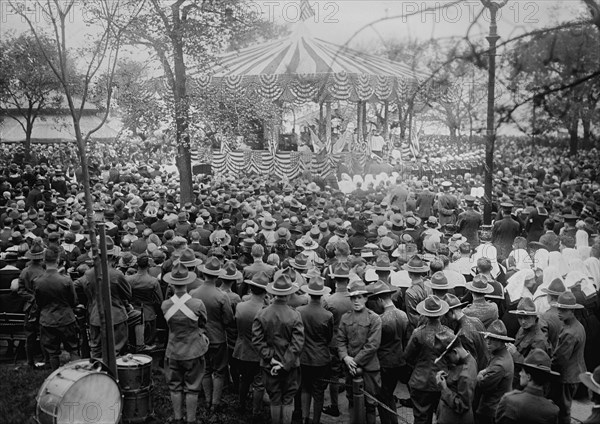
[179, 305]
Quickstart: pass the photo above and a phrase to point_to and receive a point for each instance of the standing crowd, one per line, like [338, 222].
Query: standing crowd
[295, 288]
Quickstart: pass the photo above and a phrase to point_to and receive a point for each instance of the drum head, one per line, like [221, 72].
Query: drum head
[73, 395]
[133, 360]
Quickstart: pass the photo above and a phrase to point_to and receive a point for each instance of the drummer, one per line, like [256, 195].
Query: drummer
[186, 346]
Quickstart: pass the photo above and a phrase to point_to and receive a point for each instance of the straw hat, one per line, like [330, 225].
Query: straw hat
[282, 286]
[179, 276]
[36, 252]
[268, 223]
[432, 307]
[497, 330]
[220, 235]
[526, 307]
[307, 243]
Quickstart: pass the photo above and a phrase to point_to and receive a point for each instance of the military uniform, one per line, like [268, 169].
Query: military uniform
[485, 311]
[527, 406]
[497, 380]
[456, 400]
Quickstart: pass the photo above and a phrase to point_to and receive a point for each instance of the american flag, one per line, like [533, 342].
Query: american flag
[306, 11]
[415, 146]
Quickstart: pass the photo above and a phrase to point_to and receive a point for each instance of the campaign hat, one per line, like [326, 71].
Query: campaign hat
[179, 275]
[497, 330]
[432, 307]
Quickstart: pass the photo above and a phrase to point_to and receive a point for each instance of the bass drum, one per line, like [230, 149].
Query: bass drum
[79, 392]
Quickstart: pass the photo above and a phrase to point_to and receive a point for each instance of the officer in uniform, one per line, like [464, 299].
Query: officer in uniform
[186, 318]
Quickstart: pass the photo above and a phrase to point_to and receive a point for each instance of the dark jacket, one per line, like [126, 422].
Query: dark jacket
[497, 380]
[528, 406]
[567, 358]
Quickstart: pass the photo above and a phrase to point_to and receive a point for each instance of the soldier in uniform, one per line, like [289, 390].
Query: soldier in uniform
[592, 382]
[469, 222]
[485, 311]
[278, 334]
[447, 205]
[186, 318]
[529, 405]
[567, 357]
[549, 320]
[497, 378]
[358, 339]
[424, 346]
[530, 335]
[504, 232]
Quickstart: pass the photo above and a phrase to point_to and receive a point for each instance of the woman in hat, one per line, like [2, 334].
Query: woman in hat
[496, 379]
[568, 356]
[424, 346]
[278, 335]
[529, 404]
[358, 339]
[186, 346]
[592, 382]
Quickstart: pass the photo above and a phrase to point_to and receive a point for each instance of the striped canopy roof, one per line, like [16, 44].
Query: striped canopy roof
[301, 68]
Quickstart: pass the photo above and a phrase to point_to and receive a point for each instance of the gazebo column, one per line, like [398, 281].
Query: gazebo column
[359, 134]
[365, 127]
[328, 141]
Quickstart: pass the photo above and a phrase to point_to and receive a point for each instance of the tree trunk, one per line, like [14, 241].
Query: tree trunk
[587, 132]
[182, 138]
[27, 142]
[573, 137]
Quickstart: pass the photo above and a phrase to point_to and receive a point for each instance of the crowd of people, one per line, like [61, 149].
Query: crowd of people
[295, 288]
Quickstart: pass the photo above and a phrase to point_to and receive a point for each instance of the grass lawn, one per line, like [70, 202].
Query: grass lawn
[19, 386]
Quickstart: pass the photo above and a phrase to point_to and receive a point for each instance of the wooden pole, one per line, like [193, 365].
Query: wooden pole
[328, 141]
[359, 134]
[386, 111]
[108, 337]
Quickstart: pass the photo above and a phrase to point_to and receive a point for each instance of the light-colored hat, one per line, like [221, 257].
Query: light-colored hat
[479, 285]
[316, 286]
[356, 288]
[591, 380]
[438, 281]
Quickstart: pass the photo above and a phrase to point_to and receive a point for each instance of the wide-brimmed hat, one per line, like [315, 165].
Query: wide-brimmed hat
[189, 259]
[282, 286]
[416, 264]
[29, 225]
[36, 252]
[340, 270]
[448, 342]
[379, 287]
[567, 300]
[136, 202]
[179, 275]
[300, 261]
[453, 301]
[127, 260]
[284, 234]
[356, 288]
[556, 288]
[307, 243]
[497, 330]
[260, 279]
[591, 380]
[387, 244]
[479, 285]
[230, 272]
[538, 360]
[432, 307]
[438, 281]
[316, 287]
[250, 224]
[457, 239]
[268, 223]
[497, 290]
[382, 263]
[366, 252]
[221, 235]
[526, 307]
[432, 222]
[397, 220]
[211, 267]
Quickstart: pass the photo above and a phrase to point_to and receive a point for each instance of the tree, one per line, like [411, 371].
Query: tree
[561, 57]
[180, 35]
[28, 85]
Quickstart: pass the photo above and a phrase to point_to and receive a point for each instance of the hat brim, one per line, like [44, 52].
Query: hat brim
[324, 291]
[409, 268]
[189, 264]
[587, 379]
[447, 286]
[432, 314]
[235, 276]
[204, 270]
[252, 283]
[339, 276]
[564, 306]
[550, 292]
[225, 241]
[176, 282]
[268, 227]
[458, 305]
[524, 313]
[295, 264]
[489, 289]
[489, 335]
[449, 347]
[272, 290]
[357, 293]
[388, 291]
[537, 368]
[383, 268]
